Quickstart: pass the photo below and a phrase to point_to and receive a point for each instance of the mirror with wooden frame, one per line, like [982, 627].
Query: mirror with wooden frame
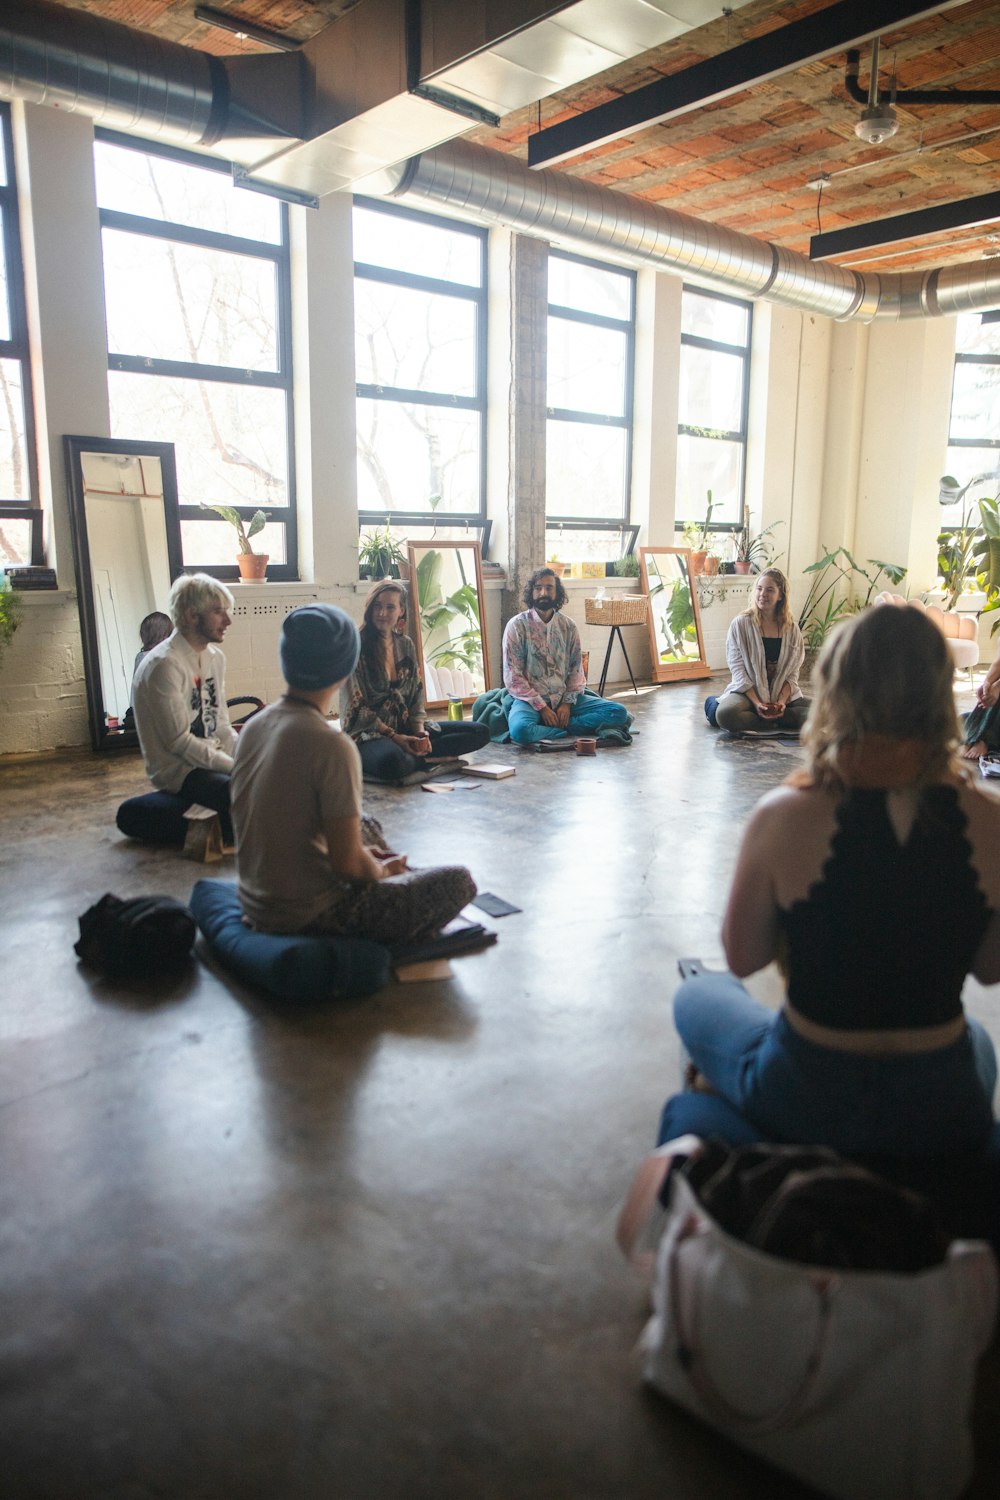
[447, 620]
[676, 648]
[126, 554]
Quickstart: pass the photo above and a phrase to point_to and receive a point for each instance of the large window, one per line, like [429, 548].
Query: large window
[974, 430]
[20, 519]
[590, 361]
[420, 358]
[712, 425]
[197, 287]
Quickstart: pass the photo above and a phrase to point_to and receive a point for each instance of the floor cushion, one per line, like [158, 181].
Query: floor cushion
[290, 966]
[155, 817]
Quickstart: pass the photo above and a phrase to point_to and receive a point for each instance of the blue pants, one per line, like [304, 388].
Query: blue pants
[788, 1089]
[587, 717]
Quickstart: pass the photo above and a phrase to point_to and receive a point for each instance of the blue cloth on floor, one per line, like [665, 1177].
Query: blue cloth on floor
[292, 966]
[493, 709]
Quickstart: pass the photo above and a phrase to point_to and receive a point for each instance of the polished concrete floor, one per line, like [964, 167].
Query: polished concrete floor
[362, 1251]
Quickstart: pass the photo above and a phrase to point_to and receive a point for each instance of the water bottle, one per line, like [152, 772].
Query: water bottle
[455, 709]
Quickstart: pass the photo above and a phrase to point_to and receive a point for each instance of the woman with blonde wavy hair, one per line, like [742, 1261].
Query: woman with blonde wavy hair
[873, 878]
[764, 653]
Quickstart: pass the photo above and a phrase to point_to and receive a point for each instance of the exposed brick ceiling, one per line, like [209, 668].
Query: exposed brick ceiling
[745, 162]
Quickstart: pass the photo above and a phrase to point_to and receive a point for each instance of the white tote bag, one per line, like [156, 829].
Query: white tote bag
[857, 1382]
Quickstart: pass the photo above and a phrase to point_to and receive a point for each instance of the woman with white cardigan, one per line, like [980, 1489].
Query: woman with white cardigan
[764, 653]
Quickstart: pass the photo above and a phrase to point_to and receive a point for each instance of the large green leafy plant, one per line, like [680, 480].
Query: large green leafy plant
[834, 595]
[438, 613]
[10, 617]
[244, 530]
[970, 552]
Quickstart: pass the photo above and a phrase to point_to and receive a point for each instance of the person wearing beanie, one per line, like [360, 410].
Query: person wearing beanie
[382, 705]
[306, 859]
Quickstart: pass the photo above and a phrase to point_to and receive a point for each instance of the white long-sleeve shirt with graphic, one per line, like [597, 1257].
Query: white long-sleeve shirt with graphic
[171, 684]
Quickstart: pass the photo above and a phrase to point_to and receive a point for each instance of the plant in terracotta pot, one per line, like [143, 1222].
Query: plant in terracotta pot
[697, 536]
[252, 565]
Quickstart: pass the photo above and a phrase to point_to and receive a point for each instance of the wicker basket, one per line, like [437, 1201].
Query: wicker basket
[630, 609]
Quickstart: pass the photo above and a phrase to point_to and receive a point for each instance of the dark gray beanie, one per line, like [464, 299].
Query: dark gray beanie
[319, 646]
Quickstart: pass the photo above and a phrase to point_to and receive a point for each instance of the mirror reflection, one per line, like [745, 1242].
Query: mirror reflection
[446, 589]
[675, 641]
[123, 504]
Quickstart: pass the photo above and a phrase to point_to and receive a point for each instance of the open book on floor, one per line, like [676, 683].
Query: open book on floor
[989, 765]
[462, 935]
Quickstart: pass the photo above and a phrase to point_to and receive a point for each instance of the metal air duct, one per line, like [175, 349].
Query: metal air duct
[494, 188]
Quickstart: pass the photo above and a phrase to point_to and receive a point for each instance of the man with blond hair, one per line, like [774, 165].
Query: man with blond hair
[179, 700]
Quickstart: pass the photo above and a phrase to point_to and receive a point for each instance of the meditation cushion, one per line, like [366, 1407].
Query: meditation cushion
[291, 966]
[156, 818]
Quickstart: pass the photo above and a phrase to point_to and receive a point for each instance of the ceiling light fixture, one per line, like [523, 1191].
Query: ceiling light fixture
[878, 122]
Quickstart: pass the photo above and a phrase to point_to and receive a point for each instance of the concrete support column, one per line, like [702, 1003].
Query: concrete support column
[526, 493]
[657, 394]
[324, 391]
[64, 291]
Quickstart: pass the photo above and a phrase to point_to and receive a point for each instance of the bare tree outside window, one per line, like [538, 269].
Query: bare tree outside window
[197, 345]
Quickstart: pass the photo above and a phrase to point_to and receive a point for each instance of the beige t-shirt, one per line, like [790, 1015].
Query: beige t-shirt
[293, 773]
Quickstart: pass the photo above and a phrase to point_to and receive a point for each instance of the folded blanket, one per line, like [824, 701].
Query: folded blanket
[493, 707]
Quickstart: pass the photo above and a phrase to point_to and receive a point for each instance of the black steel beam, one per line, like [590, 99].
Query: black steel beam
[912, 226]
[840, 26]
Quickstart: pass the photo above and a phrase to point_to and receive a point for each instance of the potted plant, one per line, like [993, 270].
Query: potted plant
[10, 614]
[824, 607]
[252, 565]
[626, 567]
[697, 536]
[752, 551]
[970, 552]
[380, 555]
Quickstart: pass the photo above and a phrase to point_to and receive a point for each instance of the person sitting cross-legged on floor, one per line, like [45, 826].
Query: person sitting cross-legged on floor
[382, 704]
[764, 653]
[873, 877]
[982, 725]
[303, 863]
[543, 671]
[179, 699]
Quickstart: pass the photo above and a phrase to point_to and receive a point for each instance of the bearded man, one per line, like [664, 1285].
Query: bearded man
[543, 671]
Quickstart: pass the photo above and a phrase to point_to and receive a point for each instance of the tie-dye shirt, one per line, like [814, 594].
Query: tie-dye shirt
[542, 664]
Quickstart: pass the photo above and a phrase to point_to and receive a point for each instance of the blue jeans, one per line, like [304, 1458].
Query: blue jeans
[587, 717]
[789, 1089]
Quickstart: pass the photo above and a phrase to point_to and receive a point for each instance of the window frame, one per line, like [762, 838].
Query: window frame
[689, 429]
[279, 255]
[17, 347]
[626, 326]
[989, 442]
[409, 521]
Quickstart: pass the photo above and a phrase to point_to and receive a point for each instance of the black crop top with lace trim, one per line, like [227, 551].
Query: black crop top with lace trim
[886, 936]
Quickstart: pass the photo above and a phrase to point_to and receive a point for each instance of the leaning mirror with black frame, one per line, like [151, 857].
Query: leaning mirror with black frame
[446, 592]
[676, 648]
[127, 552]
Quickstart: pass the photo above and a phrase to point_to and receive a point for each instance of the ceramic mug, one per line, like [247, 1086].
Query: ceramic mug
[586, 747]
